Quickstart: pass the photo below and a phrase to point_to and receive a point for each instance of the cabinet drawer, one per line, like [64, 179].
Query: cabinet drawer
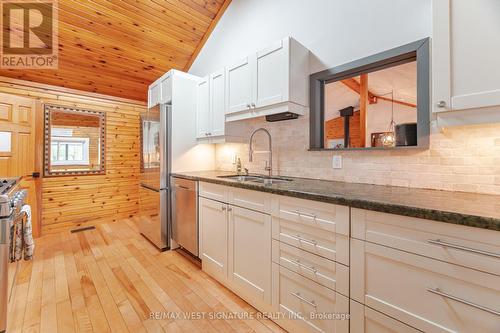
[308, 306]
[213, 191]
[321, 270]
[427, 294]
[466, 246]
[366, 320]
[312, 239]
[328, 217]
[255, 200]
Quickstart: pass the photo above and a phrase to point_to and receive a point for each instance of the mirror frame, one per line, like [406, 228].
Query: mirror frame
[46, 161]
[418, 51]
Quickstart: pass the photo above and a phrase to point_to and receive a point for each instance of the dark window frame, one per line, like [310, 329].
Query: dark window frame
[419, 51]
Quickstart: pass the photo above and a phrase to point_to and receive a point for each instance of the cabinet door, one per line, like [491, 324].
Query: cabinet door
[203, 109]
[154, 94]
[366, 320]
[466, 66]
[428, 294]
[271, 75]
[217, 103]
[166, 88]
[213, 221]
[250, 253]
[239, 86]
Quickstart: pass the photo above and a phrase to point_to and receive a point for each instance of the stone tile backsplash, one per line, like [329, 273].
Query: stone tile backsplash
[465, 158]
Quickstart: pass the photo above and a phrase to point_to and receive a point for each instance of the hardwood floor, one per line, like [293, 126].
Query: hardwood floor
[112, 280]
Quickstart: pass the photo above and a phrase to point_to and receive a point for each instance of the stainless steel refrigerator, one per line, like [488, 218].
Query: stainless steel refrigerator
[154, 218]
[169, 145]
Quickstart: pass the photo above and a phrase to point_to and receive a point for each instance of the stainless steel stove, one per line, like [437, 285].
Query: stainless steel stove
[11, 201]
[8, 192]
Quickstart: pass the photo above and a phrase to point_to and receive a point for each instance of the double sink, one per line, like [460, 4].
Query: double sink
[266, 180]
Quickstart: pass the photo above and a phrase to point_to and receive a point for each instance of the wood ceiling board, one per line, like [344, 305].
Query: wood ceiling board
[119, 47]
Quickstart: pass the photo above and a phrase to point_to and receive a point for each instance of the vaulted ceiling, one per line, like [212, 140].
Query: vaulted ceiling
[118, 47]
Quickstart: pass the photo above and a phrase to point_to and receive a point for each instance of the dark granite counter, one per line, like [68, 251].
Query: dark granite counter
[470, 209]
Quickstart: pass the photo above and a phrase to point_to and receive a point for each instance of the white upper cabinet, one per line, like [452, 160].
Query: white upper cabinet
[239, 86]
[217, 103]
[203, 108]
[271, 81]
[466, 65]
[210, 110]
[154, 94]
[166, 88]
[160, 91]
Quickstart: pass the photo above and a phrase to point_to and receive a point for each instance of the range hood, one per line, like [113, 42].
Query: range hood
[281, 116]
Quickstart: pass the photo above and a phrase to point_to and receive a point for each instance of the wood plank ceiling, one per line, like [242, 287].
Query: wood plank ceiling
[118, 47]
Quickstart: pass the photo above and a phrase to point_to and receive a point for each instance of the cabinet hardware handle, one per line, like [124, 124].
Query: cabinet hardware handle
[438, 291]
[441, 104]
[223, 208]
[302, 299]
[301, 265]
[462, 248]
[300, 239]
[248, 105]
[253, 105]
[300, 214]
[229, 209]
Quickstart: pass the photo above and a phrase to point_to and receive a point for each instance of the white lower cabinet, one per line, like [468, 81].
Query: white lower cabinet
[366, 320]
[214, 236]
[250, 254]
[320, 267]
[307, 306]
[427, 294]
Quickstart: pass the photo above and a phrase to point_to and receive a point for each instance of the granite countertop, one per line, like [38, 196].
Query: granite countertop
[470, 209]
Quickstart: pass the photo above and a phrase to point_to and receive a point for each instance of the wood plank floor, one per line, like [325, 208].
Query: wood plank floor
[112, 280]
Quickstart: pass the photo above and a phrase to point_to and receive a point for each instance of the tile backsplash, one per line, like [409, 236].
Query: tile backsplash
[465, 158]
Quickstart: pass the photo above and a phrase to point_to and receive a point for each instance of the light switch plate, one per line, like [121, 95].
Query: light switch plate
[337, 162]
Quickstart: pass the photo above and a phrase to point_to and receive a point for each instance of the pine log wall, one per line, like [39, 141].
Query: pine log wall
[69, 202]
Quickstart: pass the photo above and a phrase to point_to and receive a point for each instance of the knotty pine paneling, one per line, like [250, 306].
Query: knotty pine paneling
[71, 201]
[119, 47]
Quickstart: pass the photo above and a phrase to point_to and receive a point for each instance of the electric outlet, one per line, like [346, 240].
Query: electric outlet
[337, 162]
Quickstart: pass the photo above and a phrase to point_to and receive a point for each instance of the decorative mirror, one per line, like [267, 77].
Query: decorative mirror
[74, 141]
[378, 102]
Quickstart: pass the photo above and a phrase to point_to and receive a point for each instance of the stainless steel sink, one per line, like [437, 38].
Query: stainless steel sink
[258, 179]
[241, 178]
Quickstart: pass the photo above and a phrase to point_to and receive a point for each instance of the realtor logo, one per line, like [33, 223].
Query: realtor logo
[29, 34]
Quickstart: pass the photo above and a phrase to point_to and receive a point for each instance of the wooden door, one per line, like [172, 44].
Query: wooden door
[203, 109]
[271, 81]
[217, 104]
[250, 253]
[213, 221]
[239, 86]
[21, 157]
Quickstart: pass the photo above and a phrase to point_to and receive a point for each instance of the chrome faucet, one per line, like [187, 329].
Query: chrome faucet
[269, 164]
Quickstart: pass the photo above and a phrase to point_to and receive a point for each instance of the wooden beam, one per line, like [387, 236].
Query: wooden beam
[354, 85]
[363, 105]
[211, 28]
[397, 101]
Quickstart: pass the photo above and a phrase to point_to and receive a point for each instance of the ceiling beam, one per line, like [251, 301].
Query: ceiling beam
[354, 85]
[212, 26]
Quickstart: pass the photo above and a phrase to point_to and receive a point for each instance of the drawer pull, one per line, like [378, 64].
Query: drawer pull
[302, 299]
[302, 240]
[463, 248]
[223, 208]
[300, 214]
[437, 291]
[301, 265]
